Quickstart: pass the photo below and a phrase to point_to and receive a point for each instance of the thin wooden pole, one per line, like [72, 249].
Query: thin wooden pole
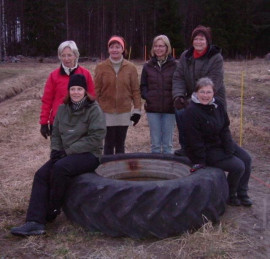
[67, 20]
[144, 52]
[129, 54]
[241, 109]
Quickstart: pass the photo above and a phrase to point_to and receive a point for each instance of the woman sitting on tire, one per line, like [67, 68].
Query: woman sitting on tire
[77, 138]
[209, 141]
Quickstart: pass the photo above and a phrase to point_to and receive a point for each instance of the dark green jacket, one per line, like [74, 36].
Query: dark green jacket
[189, 70]
[80, 131]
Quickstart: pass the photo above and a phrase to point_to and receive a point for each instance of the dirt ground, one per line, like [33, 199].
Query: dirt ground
[243, 232]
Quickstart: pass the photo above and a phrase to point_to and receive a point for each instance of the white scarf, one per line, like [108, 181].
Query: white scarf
[68, 70]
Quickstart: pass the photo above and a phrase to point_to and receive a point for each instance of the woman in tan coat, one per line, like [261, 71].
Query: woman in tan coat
[118, 93]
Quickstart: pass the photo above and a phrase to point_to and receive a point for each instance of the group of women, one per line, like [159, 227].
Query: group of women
[79, 115]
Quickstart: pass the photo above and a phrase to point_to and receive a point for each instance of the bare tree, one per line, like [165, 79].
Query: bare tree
[3, 30]
[67, 20]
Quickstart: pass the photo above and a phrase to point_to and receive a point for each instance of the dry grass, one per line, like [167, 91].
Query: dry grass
[73, 242]
[255, 77]
[241, 233]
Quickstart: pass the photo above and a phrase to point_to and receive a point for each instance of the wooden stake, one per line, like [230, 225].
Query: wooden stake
[129, 54]
[241, 109]
[144, 52]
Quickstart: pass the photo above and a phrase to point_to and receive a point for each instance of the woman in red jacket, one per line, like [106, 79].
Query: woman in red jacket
[55, 89]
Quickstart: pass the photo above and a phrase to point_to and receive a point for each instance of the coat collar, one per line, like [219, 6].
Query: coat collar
[62, 71]
[108, 62]
[212, 50]
[154, 62]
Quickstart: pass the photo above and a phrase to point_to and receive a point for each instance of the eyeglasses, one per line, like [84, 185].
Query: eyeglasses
[205, 92]
[159, 46]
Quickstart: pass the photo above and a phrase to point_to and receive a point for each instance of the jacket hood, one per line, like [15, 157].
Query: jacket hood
[195, 99]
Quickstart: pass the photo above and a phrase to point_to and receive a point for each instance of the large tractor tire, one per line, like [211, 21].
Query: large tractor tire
[141, 195]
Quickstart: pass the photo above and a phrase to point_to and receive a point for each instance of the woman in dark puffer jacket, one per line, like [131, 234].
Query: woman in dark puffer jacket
[209, 141]
[156, 89]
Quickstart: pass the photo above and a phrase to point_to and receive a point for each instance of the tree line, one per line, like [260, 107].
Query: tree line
[36, 28]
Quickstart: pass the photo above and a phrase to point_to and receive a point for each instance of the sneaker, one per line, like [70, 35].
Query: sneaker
[180, 152]
[245, 200]
[233, 201]
[28, 229]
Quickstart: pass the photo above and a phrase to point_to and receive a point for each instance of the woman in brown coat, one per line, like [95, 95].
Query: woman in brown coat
[118, 92]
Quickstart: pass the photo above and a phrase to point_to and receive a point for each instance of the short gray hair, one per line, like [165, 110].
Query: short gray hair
[70, 44]
[204, 81]
[166, 41]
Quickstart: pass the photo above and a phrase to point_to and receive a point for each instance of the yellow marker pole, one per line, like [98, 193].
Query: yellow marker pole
[241, 109]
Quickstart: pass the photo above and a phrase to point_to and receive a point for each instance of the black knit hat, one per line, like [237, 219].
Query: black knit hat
[206, 31]
[78, 80]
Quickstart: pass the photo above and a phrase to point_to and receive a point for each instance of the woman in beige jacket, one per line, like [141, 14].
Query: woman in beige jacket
[118, 93]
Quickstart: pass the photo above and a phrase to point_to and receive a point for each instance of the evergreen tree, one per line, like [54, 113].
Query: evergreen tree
[240, 27]
[43, 27]
[230, 24]
[169, 23]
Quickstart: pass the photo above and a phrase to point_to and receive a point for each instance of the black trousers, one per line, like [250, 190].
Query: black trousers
[51, 181]
[239, 169]
[115, 140]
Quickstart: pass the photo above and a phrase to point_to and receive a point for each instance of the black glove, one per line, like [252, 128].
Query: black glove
[57, 154]
[179, 103]
[135, 118]
[45, 131]
[196, 167]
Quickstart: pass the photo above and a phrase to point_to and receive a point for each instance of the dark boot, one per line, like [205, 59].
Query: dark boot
[28, 229]
[52, 214]
[233, 200]
[180, 152]
[245, 200]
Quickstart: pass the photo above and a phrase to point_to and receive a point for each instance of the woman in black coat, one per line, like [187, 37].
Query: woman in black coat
[209, 141]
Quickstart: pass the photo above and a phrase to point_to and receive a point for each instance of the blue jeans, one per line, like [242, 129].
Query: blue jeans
[180, 125]
[161, 131]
